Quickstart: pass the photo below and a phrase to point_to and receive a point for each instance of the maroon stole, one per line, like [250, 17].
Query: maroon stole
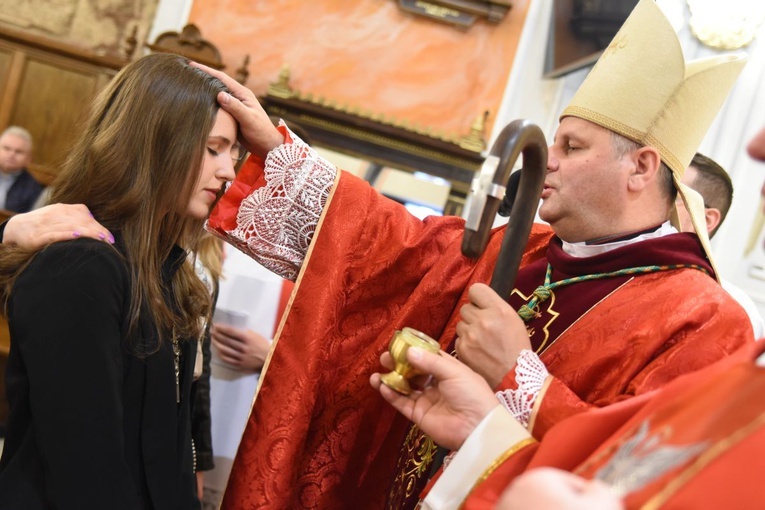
[568, 303]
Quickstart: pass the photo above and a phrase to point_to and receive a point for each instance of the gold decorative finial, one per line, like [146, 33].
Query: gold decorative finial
[131, 43]
[242, 73]
[475, 141]
[281, 87]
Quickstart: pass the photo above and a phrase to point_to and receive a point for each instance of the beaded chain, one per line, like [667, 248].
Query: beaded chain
[543, 292]
[177, 367]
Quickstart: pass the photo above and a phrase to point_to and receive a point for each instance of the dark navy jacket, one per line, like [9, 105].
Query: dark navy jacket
[23, 194]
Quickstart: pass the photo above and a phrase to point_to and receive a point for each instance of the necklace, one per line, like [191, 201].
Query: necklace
[177, 366]
[544, 291]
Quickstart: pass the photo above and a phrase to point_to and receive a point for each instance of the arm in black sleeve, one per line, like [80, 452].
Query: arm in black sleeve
[66, 315]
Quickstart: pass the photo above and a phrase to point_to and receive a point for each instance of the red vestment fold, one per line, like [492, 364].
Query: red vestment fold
[697, 443]
[318, 435]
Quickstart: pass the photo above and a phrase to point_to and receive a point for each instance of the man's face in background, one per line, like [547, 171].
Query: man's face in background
[15, 153]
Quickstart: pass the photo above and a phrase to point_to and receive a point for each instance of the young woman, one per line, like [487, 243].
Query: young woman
[104, 336]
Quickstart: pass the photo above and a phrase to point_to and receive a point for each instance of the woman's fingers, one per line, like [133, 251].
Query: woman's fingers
[53, 223]
[232, 342]
[227, 353]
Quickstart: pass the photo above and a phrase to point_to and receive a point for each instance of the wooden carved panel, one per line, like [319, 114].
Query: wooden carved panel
[189, 43]
[44, 84]
[5, 66]
[97, 26]
[47, 87]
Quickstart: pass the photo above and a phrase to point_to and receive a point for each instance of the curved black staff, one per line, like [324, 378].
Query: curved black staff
[488, 192]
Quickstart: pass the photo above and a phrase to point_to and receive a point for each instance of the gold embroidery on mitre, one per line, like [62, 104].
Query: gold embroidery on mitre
[413, 466]
[540, 314]
[617, 44]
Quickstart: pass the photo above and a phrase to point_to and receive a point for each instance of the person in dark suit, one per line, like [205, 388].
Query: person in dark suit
[18, 189]
[104, 336]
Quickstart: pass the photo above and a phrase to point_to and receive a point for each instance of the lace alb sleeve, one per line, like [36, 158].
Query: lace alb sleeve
[530, 375]
[277, 221]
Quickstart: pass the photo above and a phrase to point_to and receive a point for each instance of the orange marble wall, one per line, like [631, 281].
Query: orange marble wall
[368, 53]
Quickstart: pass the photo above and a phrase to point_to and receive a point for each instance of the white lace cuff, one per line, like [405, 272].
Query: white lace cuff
[530, 375]
[275, 223]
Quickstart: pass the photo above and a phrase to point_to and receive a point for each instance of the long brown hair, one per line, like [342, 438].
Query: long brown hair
[135, 167]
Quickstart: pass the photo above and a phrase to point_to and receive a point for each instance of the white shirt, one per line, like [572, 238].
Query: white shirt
[758, 325]
[6, 181]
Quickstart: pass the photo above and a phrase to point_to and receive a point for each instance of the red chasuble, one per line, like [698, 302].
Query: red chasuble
[320, 437]
[640, 331]
[698, 443]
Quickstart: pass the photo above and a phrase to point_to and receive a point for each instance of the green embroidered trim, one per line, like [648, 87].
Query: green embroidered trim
[544, 291]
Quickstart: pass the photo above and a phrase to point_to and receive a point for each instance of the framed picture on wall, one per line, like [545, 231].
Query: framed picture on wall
[579, 32]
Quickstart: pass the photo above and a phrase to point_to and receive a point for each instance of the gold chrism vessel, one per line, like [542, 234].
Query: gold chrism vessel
[402, 340]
